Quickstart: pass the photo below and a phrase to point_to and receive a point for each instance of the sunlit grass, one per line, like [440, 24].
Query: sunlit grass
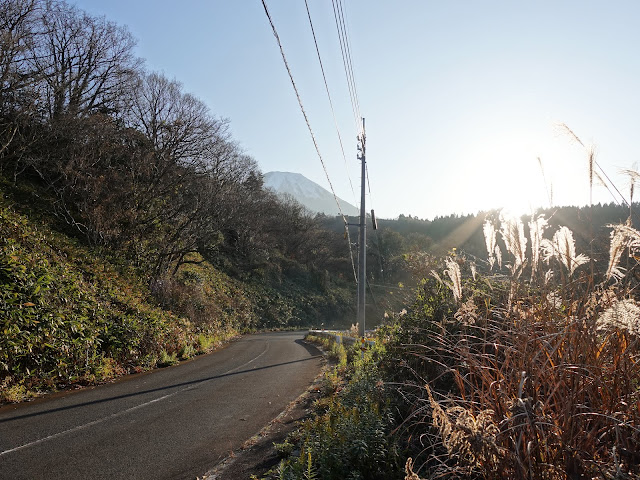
[526, 376]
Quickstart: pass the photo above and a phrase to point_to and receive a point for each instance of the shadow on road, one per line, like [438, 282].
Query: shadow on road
[313, 351]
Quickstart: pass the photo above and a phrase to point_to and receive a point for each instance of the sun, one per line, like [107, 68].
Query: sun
[522, 171]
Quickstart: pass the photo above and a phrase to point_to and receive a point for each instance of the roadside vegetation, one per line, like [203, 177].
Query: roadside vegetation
[349, 433]
[528, 374]
[524, 366]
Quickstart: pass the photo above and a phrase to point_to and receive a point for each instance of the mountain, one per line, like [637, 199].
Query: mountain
[311, 195]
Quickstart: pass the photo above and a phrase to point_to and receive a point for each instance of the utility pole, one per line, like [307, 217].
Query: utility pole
[362, 242]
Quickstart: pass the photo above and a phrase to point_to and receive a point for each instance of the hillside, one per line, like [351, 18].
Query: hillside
[75, 314]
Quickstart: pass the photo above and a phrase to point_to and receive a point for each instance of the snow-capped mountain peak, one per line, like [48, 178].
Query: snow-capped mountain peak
[308, 193]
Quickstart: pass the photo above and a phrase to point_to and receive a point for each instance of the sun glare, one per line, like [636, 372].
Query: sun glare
[522, 172]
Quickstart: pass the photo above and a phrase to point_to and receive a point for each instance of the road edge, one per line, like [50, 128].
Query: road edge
[271, 432]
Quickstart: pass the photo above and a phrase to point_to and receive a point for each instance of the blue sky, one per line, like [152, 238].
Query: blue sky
[460, 97]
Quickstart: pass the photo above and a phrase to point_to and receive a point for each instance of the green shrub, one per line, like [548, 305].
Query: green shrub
[187, 352]
[350, 435]
[206, 342]
[68, 315]
[167, 359]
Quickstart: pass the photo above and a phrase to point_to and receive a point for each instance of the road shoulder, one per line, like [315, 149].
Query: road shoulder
[258, 454]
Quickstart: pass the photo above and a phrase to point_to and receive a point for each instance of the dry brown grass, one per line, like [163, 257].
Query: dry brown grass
[530, 380]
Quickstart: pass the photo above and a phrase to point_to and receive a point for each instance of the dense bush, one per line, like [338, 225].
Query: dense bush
[74, 314]
[350, 434]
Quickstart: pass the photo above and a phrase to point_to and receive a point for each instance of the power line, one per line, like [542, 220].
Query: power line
[306, 119]
[345, 50]
[324, 77]
[344, 21]
[347, 43]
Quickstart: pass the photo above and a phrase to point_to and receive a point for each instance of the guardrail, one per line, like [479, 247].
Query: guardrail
[341, 337]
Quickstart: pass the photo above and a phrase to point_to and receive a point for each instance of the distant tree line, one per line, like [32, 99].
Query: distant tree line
[388, 246]
[131, 160]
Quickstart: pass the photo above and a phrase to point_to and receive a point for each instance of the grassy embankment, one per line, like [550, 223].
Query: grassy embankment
[70, 315]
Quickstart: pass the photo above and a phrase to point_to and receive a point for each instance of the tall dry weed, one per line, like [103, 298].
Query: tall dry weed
[493, 250]
[624, 238]
[537, 226]
[544, 384]
[512, 232]
[562, 247]
[454, 274]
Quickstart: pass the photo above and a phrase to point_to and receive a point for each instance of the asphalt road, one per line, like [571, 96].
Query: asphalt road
[172, 423]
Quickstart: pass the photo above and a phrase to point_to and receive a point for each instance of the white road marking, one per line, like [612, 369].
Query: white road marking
[123, 412]
[80, 427]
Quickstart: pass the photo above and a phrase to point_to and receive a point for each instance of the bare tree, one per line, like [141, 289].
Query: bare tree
[86, 64]
[179, 125]
[17, 36]
[196, 170]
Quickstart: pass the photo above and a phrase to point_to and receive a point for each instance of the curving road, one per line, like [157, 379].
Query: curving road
[172, 423]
